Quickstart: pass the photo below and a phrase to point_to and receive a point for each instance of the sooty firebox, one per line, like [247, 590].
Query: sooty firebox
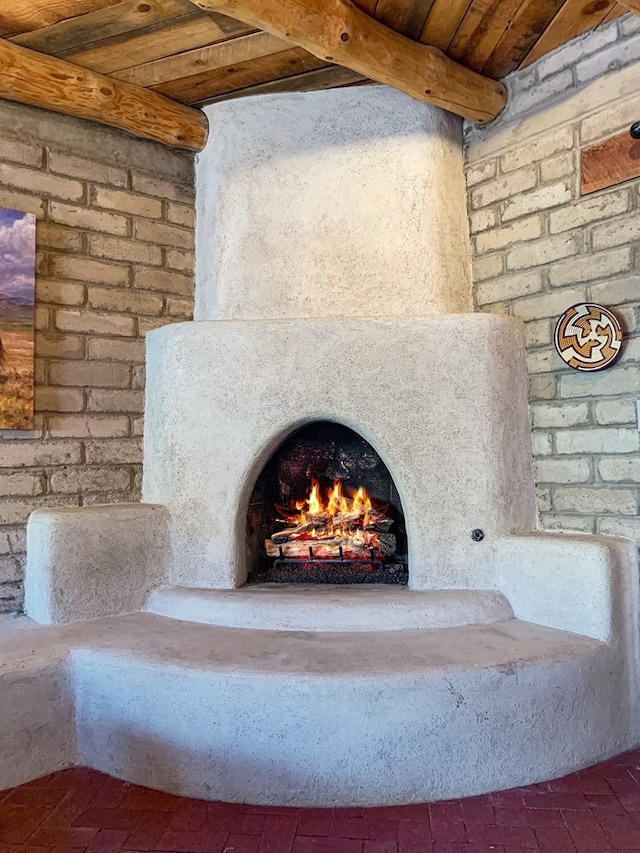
[325, 509]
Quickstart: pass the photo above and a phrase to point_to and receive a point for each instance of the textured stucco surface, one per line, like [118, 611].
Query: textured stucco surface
[93, 561]
[37, 735]
[442, 400]
[342, 203]
[311, 717]
[324, 607]
[285, 717]
[589, 588]
[345, 719]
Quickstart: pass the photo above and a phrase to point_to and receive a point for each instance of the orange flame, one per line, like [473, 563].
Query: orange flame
[348, 525]
[336, 503]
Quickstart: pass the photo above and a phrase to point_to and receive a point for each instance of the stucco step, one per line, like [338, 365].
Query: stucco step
[322, 718]
[312, 718]
[153, 638]
[319, 607]
[158, 640]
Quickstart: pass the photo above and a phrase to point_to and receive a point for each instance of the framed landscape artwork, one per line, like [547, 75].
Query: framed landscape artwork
[17, 304]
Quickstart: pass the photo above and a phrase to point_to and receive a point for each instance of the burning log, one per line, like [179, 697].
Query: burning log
[293, 533]
[341, 528]
[316, 526]
[380, 524]
[330, 548]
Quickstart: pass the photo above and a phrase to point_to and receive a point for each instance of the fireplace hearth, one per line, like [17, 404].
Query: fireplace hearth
[334, 385]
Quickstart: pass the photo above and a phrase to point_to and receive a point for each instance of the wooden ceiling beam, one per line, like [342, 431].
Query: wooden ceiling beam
[337, 31]
[631, 5]
[55, 84]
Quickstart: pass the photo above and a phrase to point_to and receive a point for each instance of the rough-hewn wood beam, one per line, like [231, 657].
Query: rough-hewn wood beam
[337, 31]
[45, 81]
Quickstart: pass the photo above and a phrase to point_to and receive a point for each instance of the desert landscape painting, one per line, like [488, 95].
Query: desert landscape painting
[17, 302]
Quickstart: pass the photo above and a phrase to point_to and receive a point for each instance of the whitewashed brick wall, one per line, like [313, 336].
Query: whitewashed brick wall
[115, 259]
[589, 57]
[539, 248]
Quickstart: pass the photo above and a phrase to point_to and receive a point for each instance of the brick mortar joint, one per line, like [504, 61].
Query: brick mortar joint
[509, 121]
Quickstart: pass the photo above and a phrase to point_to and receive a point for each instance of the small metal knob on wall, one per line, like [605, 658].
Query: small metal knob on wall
[477, 535]
[634, 130]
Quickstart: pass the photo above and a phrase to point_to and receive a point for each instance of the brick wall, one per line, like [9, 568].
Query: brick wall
[539, 248]
[115, 258]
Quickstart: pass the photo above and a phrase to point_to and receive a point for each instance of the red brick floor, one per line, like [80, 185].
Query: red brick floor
[593, 811]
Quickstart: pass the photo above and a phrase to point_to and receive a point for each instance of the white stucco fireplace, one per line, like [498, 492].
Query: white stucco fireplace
[333, 286]
[330, 284]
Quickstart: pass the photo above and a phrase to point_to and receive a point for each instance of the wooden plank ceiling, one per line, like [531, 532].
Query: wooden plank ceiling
[196, 57]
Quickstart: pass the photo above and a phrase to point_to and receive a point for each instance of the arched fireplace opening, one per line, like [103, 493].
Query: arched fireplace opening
[325, 509]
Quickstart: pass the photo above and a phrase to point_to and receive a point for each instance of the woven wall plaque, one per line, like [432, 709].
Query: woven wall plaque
[588, 336]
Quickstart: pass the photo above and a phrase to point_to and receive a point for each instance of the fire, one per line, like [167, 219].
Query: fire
[337, 504]
[334, 525]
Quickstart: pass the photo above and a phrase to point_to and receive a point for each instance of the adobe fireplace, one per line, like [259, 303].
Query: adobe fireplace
[332, 278]
[335, 388]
